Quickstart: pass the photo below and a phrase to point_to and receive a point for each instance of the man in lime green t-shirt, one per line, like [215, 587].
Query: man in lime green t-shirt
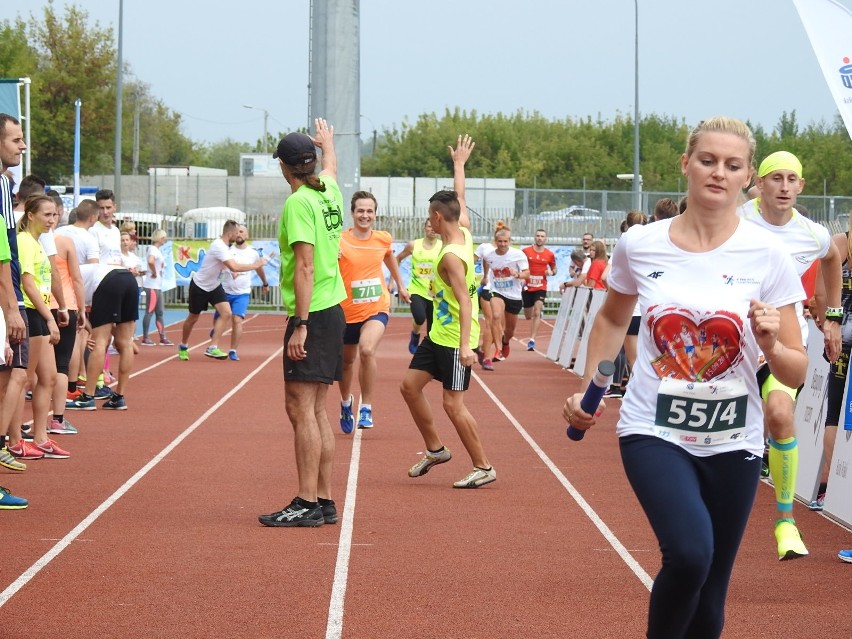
[312, 289]
[447, 353]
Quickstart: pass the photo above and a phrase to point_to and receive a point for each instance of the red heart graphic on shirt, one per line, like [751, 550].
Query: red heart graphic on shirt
[693, 345]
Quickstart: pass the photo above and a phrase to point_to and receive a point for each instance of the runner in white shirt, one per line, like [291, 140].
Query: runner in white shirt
[506, 269]
[779, 182]
[85, 215]
[205, 290]
[152, 283]
[113, 296]
[487, 341]
[105, 230]
[691, 442]
[238, 287]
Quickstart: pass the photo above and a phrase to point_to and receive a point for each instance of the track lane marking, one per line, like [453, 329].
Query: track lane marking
[625, 555]
[334, 626]
[66, 541]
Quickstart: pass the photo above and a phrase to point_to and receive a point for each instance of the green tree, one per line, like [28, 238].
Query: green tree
[224, 154]
[68, 58]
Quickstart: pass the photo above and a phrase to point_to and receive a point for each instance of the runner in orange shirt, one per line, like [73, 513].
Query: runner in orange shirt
[363, 250]
[542, 263]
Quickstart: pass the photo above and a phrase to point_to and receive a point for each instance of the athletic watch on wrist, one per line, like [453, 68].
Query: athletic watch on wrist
[834, 314]
[298, 321]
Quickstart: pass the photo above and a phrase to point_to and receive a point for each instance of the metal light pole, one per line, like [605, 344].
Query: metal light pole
[637, 176]
[119, 84]
[374, 132]
[265, 123]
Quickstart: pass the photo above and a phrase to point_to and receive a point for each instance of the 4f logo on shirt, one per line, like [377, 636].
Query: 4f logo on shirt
[333, 218]
[655, 275]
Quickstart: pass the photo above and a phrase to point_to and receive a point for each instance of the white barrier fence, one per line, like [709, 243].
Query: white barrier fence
[568, 344]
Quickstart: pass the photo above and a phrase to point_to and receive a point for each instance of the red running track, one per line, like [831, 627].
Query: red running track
[150, 528]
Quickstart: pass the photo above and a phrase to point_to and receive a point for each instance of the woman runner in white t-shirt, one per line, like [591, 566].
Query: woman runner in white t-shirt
[691, 423]
[506, 269]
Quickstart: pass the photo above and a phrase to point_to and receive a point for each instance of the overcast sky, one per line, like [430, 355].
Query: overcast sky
[745, 58]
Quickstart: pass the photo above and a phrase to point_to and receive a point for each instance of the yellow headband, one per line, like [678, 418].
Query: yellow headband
[780, 161]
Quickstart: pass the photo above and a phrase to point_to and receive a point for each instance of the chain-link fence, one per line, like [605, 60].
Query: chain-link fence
[565, 214]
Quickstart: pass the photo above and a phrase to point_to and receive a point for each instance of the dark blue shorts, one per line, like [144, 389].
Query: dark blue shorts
[352, 333]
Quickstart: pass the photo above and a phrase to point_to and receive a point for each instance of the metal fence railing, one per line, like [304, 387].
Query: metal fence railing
[564, 213]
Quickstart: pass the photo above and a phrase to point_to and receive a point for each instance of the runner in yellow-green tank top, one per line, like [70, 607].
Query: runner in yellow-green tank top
[447, 353]
[423, 252]
[446, 329]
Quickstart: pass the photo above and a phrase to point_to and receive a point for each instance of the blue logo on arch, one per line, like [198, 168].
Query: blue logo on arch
[846, 73]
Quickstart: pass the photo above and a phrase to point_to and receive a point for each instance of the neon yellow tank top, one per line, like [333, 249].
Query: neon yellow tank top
[422, 268]
[445, 327]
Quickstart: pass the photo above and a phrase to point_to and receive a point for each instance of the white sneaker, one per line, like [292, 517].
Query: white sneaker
[430, 459]
[476, 478]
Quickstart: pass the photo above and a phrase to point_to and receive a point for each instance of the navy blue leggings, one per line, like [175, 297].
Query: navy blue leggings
[698, 508]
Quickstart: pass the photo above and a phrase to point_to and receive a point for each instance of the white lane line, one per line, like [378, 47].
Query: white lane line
[174, 356]
[51, 554]
[334, 627]
[582, 503]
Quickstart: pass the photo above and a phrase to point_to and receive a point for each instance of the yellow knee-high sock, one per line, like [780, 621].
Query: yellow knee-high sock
[783, 466]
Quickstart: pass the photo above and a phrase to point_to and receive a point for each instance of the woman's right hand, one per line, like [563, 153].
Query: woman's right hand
[576, 416]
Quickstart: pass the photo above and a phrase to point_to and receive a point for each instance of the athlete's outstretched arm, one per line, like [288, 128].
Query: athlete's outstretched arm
[464, 147]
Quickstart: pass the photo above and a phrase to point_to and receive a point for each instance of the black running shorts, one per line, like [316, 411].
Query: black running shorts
[324, 348]
[442, 363]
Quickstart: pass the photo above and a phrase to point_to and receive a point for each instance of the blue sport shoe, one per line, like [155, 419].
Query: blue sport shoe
[232, 355]
[9, 502]
[103, 392]
[845, 555]
[347, 419]
[83, 402]
[365, 417]
[115, 402]
[413, 342]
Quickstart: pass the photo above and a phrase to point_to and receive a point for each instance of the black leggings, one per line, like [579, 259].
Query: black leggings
[63, 350]
[421, 311]
[698, 508]
[836, 386]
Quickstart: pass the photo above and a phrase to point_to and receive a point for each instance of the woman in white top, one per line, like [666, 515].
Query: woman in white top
[506, 269]
[691, 427]
[152, 282]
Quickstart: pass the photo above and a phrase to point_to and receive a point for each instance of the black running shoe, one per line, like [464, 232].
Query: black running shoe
[329, 511]
[297, 514]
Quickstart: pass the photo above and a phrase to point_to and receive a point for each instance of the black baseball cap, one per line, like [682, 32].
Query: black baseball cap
[295, 149]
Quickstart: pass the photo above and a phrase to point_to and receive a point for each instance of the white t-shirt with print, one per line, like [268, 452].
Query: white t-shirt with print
[705, 399]
[502, 271]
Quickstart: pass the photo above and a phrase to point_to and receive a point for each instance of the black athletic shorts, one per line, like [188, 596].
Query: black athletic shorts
[67, 336]
[529, 298]
[37, 324]
[116, 300]
[512, 306]
[442, 363]
[324, 348]
[199, 299]
[20, 350]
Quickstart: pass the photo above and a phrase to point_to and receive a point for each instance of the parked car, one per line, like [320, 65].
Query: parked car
[569, 214]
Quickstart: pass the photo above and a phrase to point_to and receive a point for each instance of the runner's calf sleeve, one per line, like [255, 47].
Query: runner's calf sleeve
[783, 466]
